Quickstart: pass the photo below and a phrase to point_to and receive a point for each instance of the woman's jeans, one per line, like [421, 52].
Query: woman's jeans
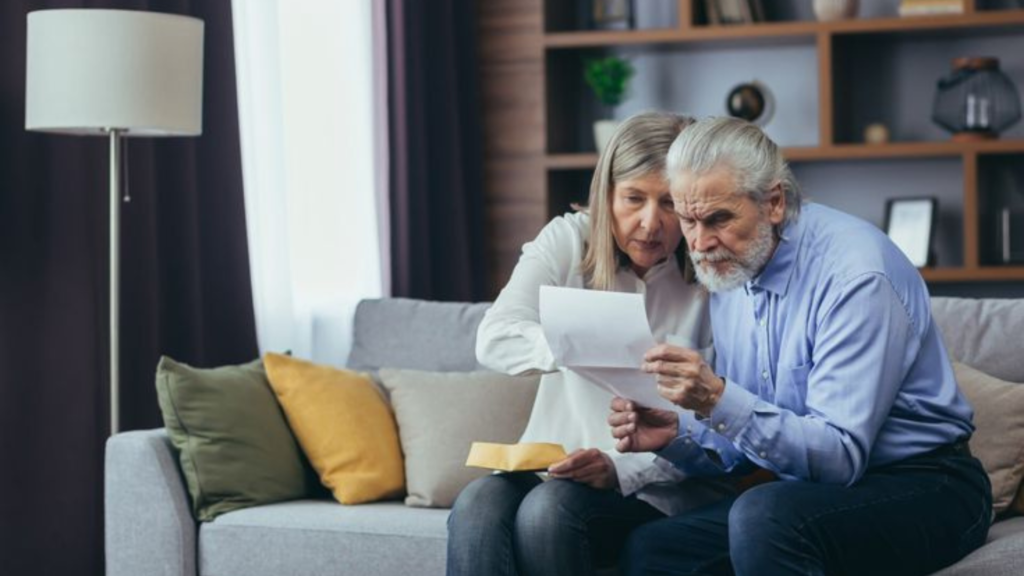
[911, 517]
[508, 524]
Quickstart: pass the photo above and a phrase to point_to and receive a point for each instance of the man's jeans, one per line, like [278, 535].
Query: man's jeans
[509, 524]
[912, 517]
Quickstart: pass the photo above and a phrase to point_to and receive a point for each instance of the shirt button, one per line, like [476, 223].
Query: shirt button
[763, 322]
[764, 374]
[763, 454]
[686, 441]
[721, 427]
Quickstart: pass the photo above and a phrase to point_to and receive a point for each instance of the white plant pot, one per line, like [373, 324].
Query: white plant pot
[603, 130]
[829, 10]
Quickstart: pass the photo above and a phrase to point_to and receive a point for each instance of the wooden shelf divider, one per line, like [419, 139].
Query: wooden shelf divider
[686, 22]
[972, 254]
[774, 30]
[977, 274]
[826, 106]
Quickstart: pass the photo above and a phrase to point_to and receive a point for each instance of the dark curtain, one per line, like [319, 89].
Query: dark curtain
[185, 290]
[436, 162]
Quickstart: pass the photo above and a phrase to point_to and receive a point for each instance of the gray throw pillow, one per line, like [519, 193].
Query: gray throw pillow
[440, 414]
[234, 444]
[998, 439]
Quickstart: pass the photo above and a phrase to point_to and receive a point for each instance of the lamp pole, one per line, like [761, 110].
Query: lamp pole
[115, 278]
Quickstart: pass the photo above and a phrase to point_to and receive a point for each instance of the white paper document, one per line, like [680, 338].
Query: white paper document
[603, 336]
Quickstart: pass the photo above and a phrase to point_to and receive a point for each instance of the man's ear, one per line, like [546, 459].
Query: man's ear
[776, 204]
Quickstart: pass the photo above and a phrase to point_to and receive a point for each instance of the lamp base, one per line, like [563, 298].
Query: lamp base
[975, 136]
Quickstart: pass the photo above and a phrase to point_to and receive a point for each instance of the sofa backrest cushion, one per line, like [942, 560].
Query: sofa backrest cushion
[344, 427]
[235, 447]
[415, 334]
[440, 414]
[985, 334]
[998, 439]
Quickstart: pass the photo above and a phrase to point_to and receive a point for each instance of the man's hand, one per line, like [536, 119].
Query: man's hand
[641, 429]
[684, 379]
[591, 467]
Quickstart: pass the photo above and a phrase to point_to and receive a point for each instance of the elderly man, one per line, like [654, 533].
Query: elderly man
[829, 373]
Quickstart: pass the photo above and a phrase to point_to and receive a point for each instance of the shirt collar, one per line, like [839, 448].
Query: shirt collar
[777, 273]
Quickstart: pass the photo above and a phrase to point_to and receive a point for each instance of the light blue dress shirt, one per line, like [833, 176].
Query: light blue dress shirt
[831, 359]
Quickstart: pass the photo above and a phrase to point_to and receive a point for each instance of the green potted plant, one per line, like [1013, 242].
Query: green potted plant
[609, 78]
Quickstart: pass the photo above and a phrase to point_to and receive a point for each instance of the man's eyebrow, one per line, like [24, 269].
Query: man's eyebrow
[716, 215]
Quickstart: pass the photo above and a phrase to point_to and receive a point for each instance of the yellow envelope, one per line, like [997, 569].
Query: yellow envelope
[529, 456]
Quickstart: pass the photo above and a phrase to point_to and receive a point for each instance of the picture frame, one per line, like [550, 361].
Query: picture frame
[910, 224]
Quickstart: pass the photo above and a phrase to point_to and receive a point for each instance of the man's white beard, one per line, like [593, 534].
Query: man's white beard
[738, 270]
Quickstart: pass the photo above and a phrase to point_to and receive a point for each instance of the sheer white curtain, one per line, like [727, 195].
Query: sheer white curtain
[309, 156]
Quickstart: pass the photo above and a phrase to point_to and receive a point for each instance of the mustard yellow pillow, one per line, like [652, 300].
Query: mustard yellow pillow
[343, 425]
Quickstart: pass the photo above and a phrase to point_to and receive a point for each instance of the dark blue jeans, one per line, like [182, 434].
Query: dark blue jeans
[509, 524]
[912, 517]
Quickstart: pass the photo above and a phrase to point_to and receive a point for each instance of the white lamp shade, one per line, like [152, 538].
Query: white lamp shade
[91, 70]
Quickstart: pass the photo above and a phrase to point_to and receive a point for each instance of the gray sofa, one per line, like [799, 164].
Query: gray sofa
[150, 530]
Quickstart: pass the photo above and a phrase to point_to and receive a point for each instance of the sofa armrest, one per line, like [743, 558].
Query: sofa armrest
[149, 526]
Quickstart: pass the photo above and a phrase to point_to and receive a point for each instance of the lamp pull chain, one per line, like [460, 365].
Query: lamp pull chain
[124, 171]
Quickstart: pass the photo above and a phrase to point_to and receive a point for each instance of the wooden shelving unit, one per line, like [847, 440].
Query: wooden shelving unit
[568, 165]
[766, 32]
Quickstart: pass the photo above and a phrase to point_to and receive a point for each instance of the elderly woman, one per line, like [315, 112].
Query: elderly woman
[628, 240]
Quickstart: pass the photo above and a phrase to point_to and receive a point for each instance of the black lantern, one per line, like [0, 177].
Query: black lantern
[976, 101]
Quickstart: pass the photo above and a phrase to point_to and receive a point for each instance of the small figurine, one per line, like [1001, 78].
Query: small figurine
[876, 133]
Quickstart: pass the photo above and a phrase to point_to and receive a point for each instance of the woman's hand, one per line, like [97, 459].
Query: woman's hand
[591, 467]
[641, 429]
[684, 379]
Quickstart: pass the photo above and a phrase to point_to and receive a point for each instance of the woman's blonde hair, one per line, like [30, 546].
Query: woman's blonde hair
[638, 148]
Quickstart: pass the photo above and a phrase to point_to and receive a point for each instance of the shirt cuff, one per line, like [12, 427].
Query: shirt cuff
[629, 470]
[684, 447]
[636, 471]
[732, 412]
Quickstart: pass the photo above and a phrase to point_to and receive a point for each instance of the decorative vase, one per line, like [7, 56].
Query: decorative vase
[976, 101]
[829, 10]
[603, 130]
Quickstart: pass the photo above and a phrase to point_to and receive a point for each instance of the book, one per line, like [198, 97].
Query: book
[930, 7]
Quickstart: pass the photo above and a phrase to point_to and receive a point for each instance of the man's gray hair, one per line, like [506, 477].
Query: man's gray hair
[740, 147]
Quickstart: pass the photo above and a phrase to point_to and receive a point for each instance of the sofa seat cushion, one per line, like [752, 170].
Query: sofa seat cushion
[1002, 554]
[322, 537]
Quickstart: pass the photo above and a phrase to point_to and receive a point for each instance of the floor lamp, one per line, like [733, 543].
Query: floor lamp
[118, 74]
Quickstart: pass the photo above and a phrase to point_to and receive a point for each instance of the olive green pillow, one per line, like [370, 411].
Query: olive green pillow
[235, 446]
